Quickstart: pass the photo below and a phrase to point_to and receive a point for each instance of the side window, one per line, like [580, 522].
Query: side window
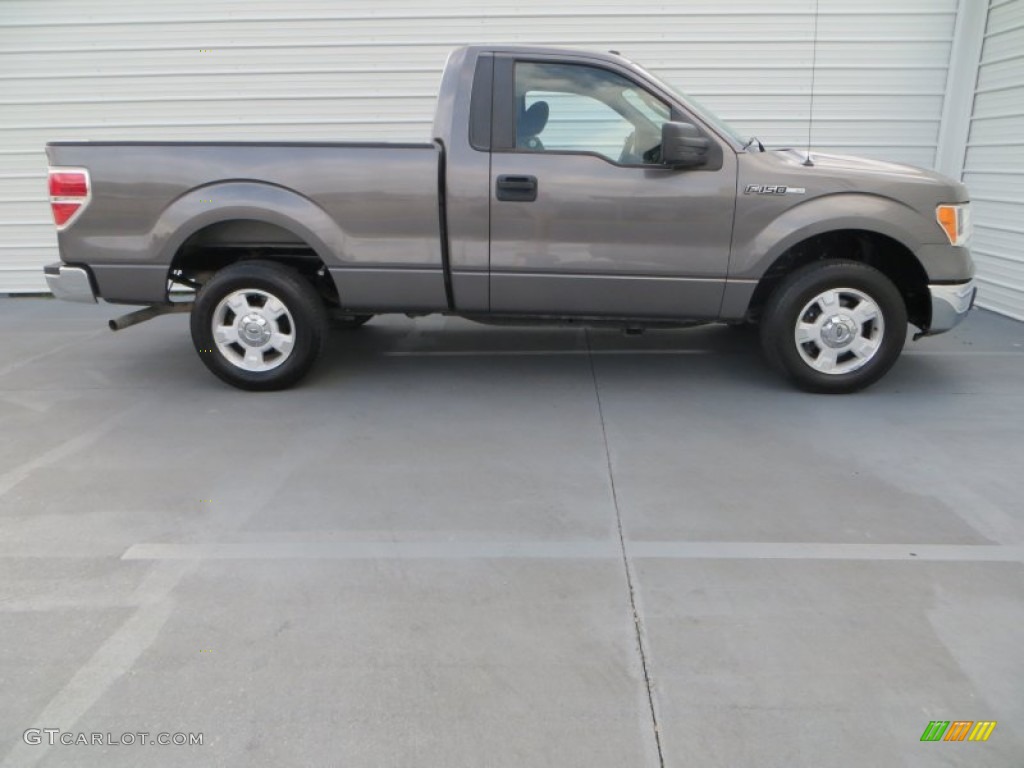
[576, 108]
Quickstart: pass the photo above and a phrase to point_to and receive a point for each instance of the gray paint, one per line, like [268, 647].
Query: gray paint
[148, 199]
[467, 182]
[382, 289]
[600, 240]
[842, 193]
[619, 230]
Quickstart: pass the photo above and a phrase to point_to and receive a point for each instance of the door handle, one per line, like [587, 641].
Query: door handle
[517, 189]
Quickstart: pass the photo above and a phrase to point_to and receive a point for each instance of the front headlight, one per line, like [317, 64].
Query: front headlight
[955, 221]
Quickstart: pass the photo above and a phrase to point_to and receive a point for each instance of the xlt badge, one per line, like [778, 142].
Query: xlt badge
[773, 189]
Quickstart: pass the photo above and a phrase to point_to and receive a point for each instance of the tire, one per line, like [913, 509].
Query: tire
[852, 319]
[270, 325]
[349, 322]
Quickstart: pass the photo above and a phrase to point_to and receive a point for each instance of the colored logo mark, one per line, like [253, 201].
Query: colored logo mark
[958, 730]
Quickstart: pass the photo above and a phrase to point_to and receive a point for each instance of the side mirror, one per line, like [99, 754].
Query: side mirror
[682, 146]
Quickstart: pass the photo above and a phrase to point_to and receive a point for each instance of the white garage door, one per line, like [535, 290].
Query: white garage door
[322, 69]
[994, 163]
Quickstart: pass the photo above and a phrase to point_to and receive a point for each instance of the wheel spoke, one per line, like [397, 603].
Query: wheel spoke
[282, 342]
[864, 347]
[863, 312]
[273, 309]
[828, 301]
[226, 334]
[806, 332]
[826, 359]
[253, 357]
[238, 302]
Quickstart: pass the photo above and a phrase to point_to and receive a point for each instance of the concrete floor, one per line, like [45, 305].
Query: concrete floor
[467, 546]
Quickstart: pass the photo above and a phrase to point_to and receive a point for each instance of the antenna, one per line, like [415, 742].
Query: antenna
[814, 69]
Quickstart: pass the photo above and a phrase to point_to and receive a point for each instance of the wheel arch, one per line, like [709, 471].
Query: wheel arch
[220, 224]
[888, 255]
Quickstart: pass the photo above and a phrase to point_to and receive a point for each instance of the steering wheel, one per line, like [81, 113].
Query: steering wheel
[628, 153]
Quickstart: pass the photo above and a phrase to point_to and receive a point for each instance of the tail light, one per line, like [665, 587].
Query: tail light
[70, 193]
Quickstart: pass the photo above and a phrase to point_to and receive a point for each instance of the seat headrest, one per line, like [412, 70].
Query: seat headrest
[533, 120]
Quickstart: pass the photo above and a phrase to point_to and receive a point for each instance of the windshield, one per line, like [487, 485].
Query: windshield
[703, 112]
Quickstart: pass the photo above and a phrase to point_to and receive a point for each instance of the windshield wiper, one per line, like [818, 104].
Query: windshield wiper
[754, 140]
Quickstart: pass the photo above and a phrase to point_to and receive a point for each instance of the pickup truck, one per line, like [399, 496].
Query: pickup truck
[559, 186]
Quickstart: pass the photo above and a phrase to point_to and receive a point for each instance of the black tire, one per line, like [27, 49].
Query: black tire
[348, 322]
[853, 281]
[301, 328]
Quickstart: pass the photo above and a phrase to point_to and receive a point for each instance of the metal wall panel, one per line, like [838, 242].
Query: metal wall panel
[994, 161]
[322, 69]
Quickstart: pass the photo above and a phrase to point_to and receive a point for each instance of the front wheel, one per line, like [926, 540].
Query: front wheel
[258, 325]
[834, 326]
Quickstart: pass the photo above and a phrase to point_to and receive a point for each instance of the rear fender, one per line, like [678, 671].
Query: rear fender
[250, 201]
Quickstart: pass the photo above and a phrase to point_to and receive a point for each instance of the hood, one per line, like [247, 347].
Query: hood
[850, 173]
[868, 165]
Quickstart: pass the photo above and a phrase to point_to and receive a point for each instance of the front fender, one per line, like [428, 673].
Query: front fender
[242, 200]
[757, 245]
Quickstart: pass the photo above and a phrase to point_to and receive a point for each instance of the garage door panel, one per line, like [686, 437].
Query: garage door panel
[996, 144]
[1004, 129]
[18, 212]
[1008, 243]
[999, 74]
[997, 270]
[1002, 44]
[189, 59]
[989, 157]
[999, 185]
[1006, 15]
[171, 87]
[854, 79]
[999, 298]
[839, 107]
[1002, 101]
[990, 212]
[52, 117]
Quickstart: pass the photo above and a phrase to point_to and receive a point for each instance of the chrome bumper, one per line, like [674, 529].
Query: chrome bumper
[950, 305]
[69, 283]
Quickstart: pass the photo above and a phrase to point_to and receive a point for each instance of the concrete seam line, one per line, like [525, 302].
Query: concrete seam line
[569, 550]
[544, 352]
[22, 362]
[109, 663]
[637, 625]
[68, 448]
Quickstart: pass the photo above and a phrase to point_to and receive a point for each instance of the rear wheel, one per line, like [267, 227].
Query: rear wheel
[834, 326]
[258, 325]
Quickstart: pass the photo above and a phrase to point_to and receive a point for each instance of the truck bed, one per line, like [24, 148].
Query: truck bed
[371, 212]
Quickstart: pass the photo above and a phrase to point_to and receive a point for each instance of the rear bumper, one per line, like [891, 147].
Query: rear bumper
[69, 283]
[950, 305]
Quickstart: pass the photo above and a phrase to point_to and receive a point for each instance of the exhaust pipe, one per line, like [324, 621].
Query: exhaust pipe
[148, 313]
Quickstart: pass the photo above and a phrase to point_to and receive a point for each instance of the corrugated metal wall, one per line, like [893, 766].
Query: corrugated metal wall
[251, 69]
[994, 162]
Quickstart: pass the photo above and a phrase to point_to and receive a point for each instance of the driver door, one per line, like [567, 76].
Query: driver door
[584, 219]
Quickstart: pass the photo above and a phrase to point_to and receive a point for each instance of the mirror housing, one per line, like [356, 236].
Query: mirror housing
[683, 146]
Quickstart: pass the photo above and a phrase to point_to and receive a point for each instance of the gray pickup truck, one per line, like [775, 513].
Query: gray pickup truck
[560, 186]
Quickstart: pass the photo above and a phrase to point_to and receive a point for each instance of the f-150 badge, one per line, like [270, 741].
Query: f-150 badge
[773, 189]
